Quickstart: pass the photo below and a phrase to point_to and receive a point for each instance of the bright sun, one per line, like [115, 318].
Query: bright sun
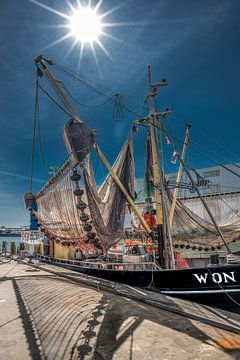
[85, 25]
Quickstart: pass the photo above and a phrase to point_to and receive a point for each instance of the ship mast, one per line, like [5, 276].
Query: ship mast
[157, 172]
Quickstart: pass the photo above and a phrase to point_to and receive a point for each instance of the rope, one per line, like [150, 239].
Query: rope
[226, 292]
[117, 113]
[197, 189]
[55, 101]
[68, 73]
[84, 105]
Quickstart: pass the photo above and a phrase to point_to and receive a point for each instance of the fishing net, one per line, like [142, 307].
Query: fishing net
[188, 225]
[191, 222]
[107, 203]
[59, 217]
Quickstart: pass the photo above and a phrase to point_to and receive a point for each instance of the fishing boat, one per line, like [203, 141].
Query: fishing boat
[83, 222]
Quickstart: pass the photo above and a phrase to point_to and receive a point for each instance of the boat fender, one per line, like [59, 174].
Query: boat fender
[91, 235]
[84, 217]
[75, 176]
[87, 227]
[81, 205]
[78, 192]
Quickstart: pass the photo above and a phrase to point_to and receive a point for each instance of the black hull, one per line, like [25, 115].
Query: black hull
[218, 285]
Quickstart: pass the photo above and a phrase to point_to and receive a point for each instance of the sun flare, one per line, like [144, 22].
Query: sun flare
[85, 25]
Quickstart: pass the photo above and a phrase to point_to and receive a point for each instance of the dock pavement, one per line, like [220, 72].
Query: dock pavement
[47, 312]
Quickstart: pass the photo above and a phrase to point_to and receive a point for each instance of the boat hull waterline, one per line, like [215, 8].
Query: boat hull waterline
[218, 284]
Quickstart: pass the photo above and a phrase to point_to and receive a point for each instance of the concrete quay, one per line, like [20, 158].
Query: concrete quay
[44, 315]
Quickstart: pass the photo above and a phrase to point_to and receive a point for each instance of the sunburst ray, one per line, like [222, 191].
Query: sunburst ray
[75, 24]
[104, 49]
[49, 8]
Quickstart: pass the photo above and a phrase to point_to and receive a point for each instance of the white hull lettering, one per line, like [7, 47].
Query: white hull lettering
[217, 278]
[229, 277]
[202, 278]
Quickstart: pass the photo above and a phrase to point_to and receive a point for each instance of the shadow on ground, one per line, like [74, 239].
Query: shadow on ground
[65, 320]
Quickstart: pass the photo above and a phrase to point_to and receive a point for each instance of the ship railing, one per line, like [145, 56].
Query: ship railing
[204, 254]
[131, 266]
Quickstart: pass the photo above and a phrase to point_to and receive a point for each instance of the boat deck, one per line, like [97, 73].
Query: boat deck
[48, 312]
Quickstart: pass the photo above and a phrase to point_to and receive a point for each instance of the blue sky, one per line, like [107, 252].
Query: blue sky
[194, 44]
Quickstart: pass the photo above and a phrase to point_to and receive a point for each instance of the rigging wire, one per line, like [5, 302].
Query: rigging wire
[206, 156]
[33, 135]
[117, 113]
[68, 73]
[211, 139]
[167, 133]
[85, 82]
[84, 105]
[225, 291]
[55, 101]
[197, 189]
[233, 210]
[219, 144]
[213, 153]
[40, 141]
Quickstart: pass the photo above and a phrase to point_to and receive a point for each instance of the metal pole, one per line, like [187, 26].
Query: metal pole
[155, 160]
[157, 172]
[41, 61]
[200, 195]
[169, 235]
[179, 175]
[122, 188]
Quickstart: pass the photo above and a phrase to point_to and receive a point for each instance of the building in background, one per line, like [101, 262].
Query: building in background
[219, 186]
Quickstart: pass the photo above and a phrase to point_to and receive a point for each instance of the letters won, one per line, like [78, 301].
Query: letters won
[216, 277]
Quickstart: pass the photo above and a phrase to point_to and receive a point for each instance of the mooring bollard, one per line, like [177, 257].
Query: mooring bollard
[12, 248]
